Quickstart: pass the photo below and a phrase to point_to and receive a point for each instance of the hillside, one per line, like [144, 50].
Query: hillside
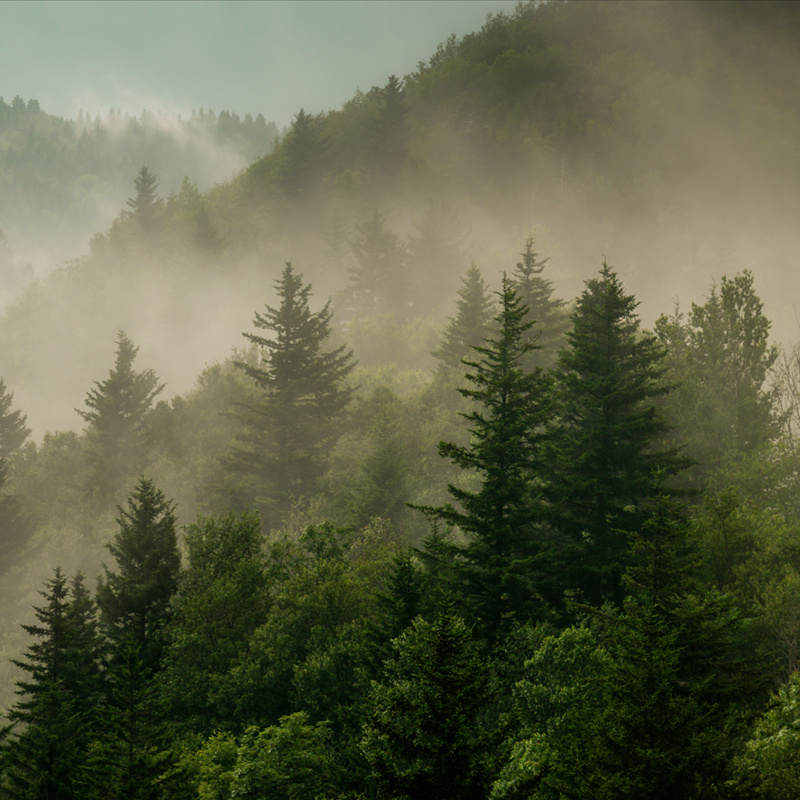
[386, 467]
[659, 136]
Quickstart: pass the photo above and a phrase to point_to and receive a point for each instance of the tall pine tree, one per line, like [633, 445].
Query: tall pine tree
[605, 448]
[501, 565]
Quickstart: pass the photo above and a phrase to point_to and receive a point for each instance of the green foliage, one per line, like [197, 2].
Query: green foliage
[222, 599]
[560, 694]
[721, 358]
[145, 207]
[500, 566]
[471, 324]
[548, 314]
[380, 284]
[290, 760]
[606, 442]
[58, 696]
[768, 768]
[428, 732]
[135, 600]
[14, 530]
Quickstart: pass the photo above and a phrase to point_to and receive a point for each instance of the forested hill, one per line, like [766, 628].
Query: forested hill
[658, 135]
[63, 180]
[471, 510]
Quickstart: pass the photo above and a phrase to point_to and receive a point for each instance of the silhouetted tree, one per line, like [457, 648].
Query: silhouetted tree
[117, 407]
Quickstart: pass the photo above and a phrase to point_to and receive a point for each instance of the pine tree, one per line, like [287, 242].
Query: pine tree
[380, 282]
[470, 325]
[59, 695]
[501, 564]
[291, 428]
[116, 417]
[549, 314]
[135, 600]
[146, 205]
[605, 446]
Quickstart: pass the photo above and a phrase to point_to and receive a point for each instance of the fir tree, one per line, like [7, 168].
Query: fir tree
[470, 325]
[380, 282]
[291, 427]
[501, 564]
[14, 530]
[116, 417]
[59, 695]
[548, 314]
[605, 446]
[135, 600]
[146, 205]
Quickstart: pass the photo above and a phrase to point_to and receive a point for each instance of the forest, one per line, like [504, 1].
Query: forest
[448, 448]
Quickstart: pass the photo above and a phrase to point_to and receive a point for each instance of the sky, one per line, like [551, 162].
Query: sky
[272, 57]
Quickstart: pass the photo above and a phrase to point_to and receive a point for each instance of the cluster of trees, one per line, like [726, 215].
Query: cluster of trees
[58, 177]
[535, 552]
[583, 613]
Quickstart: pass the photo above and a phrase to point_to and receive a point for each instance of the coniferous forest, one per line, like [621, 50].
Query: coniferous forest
[446, 448]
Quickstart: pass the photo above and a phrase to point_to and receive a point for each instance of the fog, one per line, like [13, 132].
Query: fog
[672, 156]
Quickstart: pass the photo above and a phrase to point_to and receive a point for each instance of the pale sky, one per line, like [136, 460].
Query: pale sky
[261, 56]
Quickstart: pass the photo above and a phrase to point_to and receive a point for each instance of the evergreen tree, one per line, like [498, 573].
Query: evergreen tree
[391, 129]
[501, 565]
[59, 696]
[146, 205]
[721, 358]
[605, 446]
[116, 417]
[427, 732]
[301, 158]
[548, 313]
[380, 282]
[294, 422]
[135, 600]
[676, 690]
[470, 325]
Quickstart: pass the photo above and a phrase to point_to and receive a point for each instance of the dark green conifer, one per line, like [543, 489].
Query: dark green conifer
[501, 565]
[605, 447]
[135, 600]
[548, 314]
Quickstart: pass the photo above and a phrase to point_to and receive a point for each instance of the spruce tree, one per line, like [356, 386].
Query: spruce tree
[501, 565]
[135, 600]
[59, 695]
[470, 325]
[116, 415]
[292, 425]
[380, 282]
[605, 447]
[146, 205]
[548, 314]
